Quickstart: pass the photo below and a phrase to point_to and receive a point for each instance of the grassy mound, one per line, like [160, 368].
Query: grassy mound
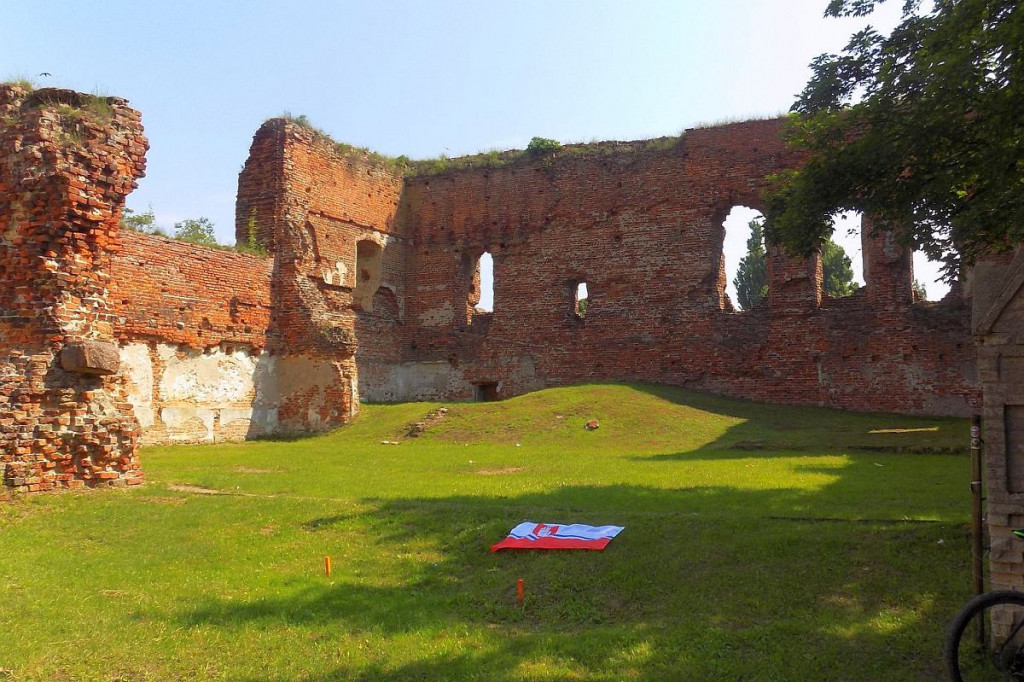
[761, 542]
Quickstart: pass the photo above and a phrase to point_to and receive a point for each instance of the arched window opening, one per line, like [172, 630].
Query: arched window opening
[581, 299]
[842, 256]
[478, 275]
[485, 271]
[744, 269]
[369, 268]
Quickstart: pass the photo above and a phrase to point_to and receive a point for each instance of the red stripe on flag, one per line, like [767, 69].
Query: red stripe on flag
[550, 543]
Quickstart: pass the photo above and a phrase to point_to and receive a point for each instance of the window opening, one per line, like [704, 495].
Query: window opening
[485, 271]
[369, 262]
[478, 273]
[928, 283]
[842, 256]
[581, 299]
[744, 263]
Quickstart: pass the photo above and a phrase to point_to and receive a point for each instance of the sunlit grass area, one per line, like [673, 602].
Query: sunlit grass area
[761, 542]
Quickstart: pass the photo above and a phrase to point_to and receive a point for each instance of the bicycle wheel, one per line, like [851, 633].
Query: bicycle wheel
[986, 639]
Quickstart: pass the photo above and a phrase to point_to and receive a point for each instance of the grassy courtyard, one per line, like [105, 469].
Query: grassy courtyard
[761, 543]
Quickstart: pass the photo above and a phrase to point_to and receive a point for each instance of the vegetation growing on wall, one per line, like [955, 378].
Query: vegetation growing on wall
[193, 230]
[537, 147]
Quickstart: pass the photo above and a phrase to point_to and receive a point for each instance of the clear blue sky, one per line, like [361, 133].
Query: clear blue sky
[415, 78]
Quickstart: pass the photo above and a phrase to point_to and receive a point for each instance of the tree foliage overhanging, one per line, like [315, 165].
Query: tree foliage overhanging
[923, 129]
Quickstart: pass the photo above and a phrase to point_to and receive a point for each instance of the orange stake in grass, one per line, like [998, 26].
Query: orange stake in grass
[327, 566]
[519, 590]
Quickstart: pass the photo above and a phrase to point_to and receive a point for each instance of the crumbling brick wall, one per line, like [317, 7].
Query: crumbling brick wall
[67, 161]
[371, 285]
[640, 223]
[192, 322]
[339, 270]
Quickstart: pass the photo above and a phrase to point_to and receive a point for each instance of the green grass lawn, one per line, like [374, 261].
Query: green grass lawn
[761, 543]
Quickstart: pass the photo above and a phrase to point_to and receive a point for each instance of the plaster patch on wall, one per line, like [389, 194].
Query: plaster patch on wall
[307, 393]
[186, 423]
[137, 368]
[438, 317]
[200, 396]
[209, 377]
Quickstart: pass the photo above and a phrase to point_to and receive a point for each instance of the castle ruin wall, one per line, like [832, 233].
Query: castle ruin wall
[192, 325]
[371, 286]
[67, 161]
[642, 225]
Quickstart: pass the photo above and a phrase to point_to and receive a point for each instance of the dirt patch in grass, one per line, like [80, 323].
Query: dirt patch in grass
[195, 489]
[177, 501]
[499, 472]
[252, 470]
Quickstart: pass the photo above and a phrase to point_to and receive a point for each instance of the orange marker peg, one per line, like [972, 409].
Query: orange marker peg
[327, 566]
[519, 590]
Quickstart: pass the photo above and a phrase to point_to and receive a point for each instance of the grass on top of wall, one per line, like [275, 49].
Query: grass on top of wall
[761, 542]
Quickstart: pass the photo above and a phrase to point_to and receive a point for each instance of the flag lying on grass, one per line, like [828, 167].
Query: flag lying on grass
[530, 535]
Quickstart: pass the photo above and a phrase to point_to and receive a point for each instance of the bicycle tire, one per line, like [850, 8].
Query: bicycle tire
[1006, 663]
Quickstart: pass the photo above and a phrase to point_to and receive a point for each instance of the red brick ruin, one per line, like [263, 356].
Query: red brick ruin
[371, 286]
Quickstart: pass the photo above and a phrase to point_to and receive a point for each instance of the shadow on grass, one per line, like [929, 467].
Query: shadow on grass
[771, 430]
[706, 582]
[680, 594]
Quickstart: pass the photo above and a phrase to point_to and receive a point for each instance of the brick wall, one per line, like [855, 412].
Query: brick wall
[641, 224]
[67, 161]
[372, 285]
[192, 325]
[339, 278]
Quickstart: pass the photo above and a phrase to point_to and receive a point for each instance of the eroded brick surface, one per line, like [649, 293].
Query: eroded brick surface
[67, 161]
[371, 285]
[640, 224]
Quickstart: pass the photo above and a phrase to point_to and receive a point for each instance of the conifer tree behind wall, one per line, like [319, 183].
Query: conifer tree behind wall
[752, 276]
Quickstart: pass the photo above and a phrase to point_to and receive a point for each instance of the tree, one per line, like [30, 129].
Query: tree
[920, 129]
[920, 293]
[140, 222]
[195, 230]
[751, 280]
[836, 270]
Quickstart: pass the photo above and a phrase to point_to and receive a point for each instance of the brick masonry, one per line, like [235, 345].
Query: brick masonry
[640, 223]
[67, 161]
[371, 286]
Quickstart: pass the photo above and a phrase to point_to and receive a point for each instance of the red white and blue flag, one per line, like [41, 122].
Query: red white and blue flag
[530, 535]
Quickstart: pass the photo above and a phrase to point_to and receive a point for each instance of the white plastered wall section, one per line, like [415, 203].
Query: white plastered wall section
[187, 395]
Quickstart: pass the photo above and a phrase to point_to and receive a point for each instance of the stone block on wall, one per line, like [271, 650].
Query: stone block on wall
[91, 357]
